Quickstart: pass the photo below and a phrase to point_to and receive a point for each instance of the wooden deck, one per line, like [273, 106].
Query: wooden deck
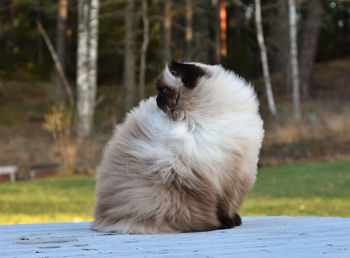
[257, 237]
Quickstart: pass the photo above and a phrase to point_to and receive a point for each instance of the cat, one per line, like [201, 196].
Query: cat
[182, 161]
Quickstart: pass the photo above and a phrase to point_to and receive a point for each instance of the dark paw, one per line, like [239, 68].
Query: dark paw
[237, 221]
[226, 223]
[229, 222]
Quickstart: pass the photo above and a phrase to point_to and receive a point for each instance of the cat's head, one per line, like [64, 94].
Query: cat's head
[176, 87]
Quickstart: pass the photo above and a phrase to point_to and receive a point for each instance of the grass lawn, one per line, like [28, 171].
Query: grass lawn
[314, 189]
[48, 200]
[311, 189]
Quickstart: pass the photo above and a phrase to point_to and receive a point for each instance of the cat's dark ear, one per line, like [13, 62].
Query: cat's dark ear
[189, 73]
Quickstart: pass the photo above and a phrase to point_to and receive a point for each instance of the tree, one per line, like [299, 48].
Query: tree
[309, 44]
[87, 64]
[60, 45]
[189, 30]
[223, 29]
[93, 49]
[264, 61]
[57, 62]
[129, 57]
[167, 30]
[294, 60]
[216, 7]
[144, 47]
[202, 48]
[39, 43]
[278, 42]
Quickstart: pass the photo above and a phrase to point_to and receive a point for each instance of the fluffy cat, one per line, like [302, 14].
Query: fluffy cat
[183, 161]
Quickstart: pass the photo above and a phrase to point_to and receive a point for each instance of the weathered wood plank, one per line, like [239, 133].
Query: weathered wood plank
[257, 237]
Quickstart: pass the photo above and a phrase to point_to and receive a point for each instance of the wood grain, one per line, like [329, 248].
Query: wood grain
[257, 237]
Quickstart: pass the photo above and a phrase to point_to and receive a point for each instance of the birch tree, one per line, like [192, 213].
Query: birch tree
[144, 47]
[264, 61]
[294, 60]
[93, 47]
[87, 64]
[129, 57]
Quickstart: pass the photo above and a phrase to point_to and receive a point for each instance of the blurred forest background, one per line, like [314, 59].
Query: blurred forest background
[69, 70]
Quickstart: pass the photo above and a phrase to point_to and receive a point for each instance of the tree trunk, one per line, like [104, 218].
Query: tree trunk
[167, 31]
[83, 69]
[93, 50]
[216, 6]
[279, 40]
[86, 64]
[58, 65]
[202, 44]
[189, 30]
[264, 61]
[60, 46]
[223, 29]
[129, 58]
[39, 42]
[294, 60]
[309, 44]
[144, 48]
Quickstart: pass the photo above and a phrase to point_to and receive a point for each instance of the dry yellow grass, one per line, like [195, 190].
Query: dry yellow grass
[319, 122]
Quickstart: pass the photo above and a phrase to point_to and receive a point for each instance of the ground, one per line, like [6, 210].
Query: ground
[311, 189]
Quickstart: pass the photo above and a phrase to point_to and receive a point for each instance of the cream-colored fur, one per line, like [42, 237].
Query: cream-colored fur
[163, 173]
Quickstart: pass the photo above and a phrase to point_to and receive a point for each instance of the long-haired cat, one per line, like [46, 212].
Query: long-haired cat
[182, 161]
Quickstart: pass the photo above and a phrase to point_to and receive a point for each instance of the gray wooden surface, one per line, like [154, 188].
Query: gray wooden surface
[257, 237]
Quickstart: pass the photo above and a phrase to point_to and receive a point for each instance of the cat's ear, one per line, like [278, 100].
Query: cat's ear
[189, 73]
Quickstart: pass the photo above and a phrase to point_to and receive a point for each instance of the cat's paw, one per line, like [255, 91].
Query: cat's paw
[237, 221]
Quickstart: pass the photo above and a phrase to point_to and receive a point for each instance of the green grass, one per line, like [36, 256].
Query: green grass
[49, 200]
[314, 189]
